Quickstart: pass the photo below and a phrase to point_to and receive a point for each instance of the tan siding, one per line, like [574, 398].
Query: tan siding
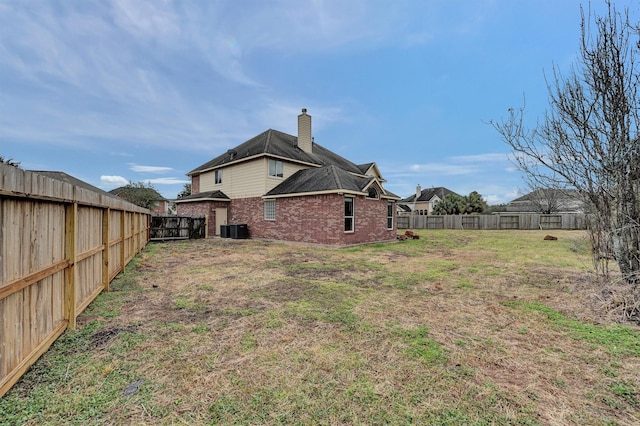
[207, 182]
[246, 179]
[289, 169]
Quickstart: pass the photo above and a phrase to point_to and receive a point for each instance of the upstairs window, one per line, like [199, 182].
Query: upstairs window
[269, 209]
[373, 193]
[218, 177]
[349, 214]
[276, 168]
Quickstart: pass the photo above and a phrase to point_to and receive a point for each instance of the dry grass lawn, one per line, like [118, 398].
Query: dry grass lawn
[458, 327]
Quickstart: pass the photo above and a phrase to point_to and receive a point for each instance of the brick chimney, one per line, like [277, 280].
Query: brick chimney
[305, 141]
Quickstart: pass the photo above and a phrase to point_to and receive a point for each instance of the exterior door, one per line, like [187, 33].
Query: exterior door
[221, 218]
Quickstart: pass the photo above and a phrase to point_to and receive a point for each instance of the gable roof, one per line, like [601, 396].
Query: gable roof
[428, 194]
[371, 169]
[281, 145]
[364, 168]
[327, 179]
[204, 196]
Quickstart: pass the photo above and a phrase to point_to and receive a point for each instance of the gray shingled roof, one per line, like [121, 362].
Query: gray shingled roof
[324, 179]
[364, 167]
[428, 194]
[328, 178]
[549, 193]
[273, 142]
[210, 195]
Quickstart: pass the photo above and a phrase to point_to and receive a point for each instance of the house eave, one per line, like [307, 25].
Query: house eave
[253, 157]
[195, 200]
[304, 194]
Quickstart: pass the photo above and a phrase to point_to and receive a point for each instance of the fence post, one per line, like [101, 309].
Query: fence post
[106, 216]
[123, 237]
[71, 233]
[132, 246]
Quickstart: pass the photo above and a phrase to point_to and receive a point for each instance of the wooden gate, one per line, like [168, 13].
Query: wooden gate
[177, 227]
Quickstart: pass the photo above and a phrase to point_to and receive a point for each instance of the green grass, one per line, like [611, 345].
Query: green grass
[444, 330]
[617, 339]
[325, 301]
[424, 348]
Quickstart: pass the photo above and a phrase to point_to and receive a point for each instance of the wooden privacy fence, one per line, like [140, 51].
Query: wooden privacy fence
[177, 227]
[495, 221]
[60, 246]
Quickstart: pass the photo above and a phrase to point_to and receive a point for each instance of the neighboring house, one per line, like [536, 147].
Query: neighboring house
[421, 203]
[290, 188]
[403, 209]
[161, 206]
[548, 201]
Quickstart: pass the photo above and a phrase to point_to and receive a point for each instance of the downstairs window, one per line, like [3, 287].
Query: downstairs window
[269, 209]
[349, 214]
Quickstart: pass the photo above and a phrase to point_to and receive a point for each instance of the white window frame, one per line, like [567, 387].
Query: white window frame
[276, 163]
[352, 217]
[269, 209]
[217, 177]
[390, 210]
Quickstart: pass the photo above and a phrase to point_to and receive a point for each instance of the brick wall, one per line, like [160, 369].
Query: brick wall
[315, 219]
[195, 184]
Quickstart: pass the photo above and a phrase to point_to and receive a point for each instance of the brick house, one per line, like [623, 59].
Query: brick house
[290, 188]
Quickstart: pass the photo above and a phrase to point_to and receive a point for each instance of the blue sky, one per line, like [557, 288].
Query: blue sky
[147, 90]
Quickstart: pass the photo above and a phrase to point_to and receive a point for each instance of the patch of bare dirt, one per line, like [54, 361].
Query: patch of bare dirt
[104, 336]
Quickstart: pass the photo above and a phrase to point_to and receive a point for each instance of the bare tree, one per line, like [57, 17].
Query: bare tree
[588, 139]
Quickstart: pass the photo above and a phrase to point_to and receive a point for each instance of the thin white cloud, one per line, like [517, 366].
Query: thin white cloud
[460, 165]
[149, 169]
[493, 157]
[168, 181]
[154, 19]
[113, 180]
[445, 169]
